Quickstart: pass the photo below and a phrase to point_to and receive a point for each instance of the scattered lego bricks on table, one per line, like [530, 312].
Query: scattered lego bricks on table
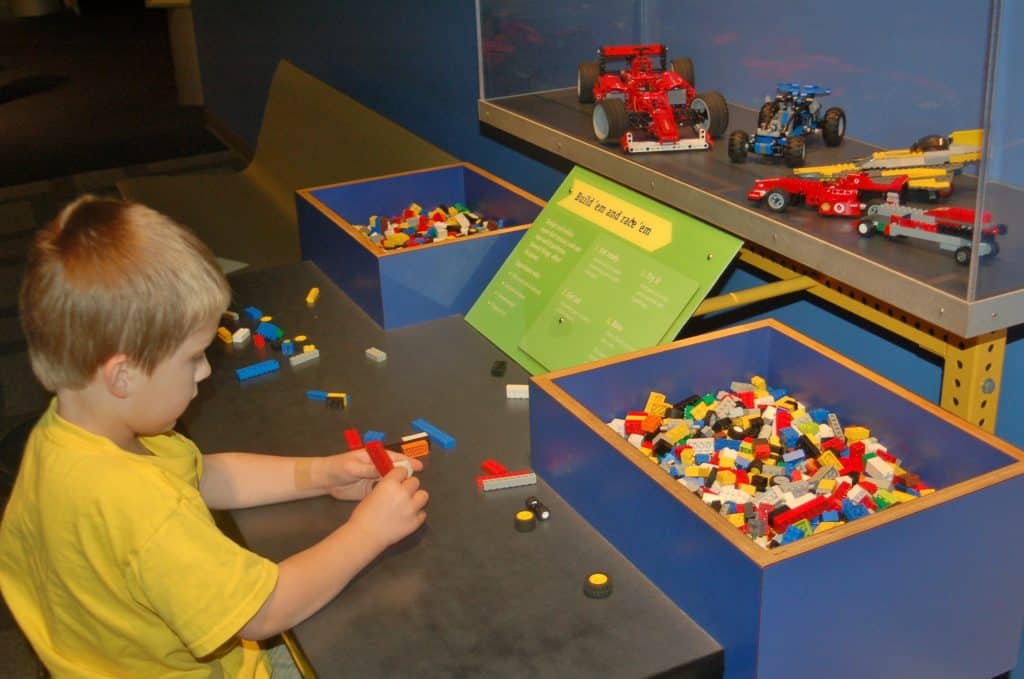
[414, 226]
[775, 468]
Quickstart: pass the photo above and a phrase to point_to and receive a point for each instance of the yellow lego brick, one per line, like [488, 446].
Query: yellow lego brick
[747, 488]
[826, 525]
[686, 455]
[854, 434]
[224, 334]
[737, 519]
[699, 411]
[826, 485]
[306, 348]
[312, 296]
[903, 497]
[829, 458]
[676, 433]
[926, 491]
[759, 383]
[696, 470]
[726, 477]
[727, 463]
[654, 399]
[973, 137]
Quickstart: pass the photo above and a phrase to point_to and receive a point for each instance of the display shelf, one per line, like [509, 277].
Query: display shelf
[906, 274]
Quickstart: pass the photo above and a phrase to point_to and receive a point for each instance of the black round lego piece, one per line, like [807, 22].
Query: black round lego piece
[534, 504]
[598, 585]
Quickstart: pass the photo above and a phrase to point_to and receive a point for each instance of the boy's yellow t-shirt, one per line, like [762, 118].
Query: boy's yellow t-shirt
[112, 565]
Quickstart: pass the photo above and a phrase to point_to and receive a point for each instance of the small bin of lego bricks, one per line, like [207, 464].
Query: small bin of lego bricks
[406, 262]
[861, 494]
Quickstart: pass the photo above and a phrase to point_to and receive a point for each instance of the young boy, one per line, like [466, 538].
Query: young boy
[109, 558]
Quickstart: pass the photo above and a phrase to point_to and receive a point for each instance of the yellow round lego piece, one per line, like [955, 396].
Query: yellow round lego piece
[526, 521]
[299, 338]
[266, 319]
[598, 585]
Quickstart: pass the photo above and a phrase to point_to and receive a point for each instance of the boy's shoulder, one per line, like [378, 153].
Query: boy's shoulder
[87, 469]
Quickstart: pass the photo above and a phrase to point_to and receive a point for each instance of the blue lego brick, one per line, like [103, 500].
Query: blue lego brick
[316, 395]
[253, 313]
[819, 415]
[270, 331]
[727, 443]
[287, 348]
[373, 436]
[439, 437]
[257, 369]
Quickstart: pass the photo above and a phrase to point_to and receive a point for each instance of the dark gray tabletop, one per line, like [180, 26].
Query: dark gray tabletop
[467, 595]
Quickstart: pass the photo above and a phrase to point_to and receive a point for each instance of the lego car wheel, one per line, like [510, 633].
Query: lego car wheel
[833, 128]
[962, 255]
[866, 228]
[777, 200]
[795, 152]
[713, 111]
[738, 143]
[610, 120]
[931, 142]
[767, 112]
[586, 78]
[684, 67]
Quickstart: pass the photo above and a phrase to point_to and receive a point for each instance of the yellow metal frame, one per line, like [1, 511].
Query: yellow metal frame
[972, 368]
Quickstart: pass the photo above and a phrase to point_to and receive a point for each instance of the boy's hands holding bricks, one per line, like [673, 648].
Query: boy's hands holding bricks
[351, 475]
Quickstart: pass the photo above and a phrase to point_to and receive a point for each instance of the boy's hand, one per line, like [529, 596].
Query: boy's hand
[351, 475]
[393, 510]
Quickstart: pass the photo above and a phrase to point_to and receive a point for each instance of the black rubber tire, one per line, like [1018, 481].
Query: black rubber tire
[833, 127]
[962, 256]
[767, 112]
[777, 200]
[738, 146]
[713, 104]
[586, 78]
[866, 228]
[610, 120]
[684, 67]
[795, 152]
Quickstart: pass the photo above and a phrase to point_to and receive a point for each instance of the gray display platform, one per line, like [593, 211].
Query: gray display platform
[467, 595]
[909, 275]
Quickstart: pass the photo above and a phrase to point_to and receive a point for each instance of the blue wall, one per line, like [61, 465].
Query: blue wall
[418, 66]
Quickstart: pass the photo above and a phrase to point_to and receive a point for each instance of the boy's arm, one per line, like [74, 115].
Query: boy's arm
[238, 480]
[311, 578]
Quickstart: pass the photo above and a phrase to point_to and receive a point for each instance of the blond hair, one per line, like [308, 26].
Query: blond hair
[110, 277]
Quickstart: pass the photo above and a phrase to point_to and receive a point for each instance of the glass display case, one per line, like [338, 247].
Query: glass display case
[927, 124]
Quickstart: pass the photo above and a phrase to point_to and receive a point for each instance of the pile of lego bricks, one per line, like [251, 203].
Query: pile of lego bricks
[416, 227]
[774, 468]
[237, 330]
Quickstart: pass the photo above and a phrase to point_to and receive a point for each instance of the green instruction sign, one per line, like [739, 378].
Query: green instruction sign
[603, 270]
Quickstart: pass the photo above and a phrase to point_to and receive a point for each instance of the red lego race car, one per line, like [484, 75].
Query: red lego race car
[646, 106]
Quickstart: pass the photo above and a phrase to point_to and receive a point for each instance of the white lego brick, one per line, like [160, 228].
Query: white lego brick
[618, 425]
[825, 431]
[510, 481]
[375, 354]
[241, 336]
[702, 445]
[305, 357]
[878, 468]
[517, 391]
[857, 493]
[636, 440]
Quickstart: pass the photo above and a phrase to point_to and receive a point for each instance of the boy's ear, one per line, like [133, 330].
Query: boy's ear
[118, 373]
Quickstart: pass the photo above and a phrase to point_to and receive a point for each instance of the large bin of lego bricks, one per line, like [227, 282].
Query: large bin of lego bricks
[926, 588]
[429, 280]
